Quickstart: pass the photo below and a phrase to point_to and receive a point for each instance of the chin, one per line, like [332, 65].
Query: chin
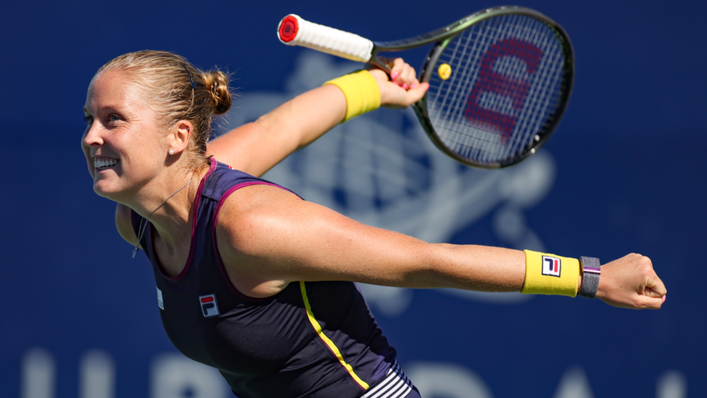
[101, 191]
[105, 189]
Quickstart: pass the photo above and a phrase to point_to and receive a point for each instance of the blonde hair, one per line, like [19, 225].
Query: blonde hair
[176, 90]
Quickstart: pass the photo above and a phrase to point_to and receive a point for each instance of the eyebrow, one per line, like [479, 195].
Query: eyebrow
[109, 108]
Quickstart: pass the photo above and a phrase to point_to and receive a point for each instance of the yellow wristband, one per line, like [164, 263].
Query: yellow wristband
[550, 274]
[361, 91]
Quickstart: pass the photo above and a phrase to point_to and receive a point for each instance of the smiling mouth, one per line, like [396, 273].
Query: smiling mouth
[104, 164]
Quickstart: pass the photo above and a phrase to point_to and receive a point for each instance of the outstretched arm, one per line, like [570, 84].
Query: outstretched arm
[269, 238]
[258, 146]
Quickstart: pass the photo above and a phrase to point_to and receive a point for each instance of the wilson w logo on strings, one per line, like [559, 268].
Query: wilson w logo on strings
[484, 102]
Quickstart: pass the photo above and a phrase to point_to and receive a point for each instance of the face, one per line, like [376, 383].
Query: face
[124, 143]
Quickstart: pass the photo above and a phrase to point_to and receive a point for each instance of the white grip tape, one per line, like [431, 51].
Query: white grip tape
[331, 41]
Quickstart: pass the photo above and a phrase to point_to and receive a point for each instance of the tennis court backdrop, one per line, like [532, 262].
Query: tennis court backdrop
[625, 172]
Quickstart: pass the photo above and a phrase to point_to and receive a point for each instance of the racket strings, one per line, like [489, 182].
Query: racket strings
[507, 86]
[453, 128]
[510, 145]
[538, 101]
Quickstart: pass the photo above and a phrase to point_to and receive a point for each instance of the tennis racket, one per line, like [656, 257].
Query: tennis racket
[500, 79]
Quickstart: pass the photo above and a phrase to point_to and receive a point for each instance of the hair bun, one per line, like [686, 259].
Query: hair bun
[217, 83]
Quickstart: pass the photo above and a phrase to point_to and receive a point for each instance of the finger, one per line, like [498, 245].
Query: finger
[657, 287]
[650, 302]
[403, 74]
[416, 93]
[396, 69]
[409, 77]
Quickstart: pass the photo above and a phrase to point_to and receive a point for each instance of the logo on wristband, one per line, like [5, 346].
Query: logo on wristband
[552, 266]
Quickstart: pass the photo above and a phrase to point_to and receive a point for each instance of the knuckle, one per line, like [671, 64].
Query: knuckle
[646, 265]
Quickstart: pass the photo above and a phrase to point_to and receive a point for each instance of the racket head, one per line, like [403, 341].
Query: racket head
[498, 87]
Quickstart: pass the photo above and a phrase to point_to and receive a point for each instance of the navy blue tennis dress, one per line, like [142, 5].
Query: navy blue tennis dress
[313, 339]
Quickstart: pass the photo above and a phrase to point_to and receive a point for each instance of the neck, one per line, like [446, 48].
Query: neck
[169, 206]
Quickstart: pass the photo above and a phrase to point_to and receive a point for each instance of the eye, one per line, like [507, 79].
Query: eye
[113, 118]
[88, 119]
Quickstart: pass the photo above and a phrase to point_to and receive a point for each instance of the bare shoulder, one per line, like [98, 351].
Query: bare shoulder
[236, 149]
[247, 233]
[247, 215]
[124, 223]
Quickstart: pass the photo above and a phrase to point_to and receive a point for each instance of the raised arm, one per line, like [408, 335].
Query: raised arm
[256, 147]
[269, 238]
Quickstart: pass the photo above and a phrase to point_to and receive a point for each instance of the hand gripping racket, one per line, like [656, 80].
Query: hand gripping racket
[500, 79]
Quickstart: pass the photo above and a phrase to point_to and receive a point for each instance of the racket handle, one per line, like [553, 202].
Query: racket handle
[295, 31]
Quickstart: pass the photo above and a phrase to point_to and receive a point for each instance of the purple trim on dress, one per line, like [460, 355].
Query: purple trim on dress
[213, 235]
[192, 245]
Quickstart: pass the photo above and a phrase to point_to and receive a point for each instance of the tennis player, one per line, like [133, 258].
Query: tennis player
[257, 282]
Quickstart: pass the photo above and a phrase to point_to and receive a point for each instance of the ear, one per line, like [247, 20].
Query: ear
[180, 136]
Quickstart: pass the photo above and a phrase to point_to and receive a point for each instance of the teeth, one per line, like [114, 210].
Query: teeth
[101, 163]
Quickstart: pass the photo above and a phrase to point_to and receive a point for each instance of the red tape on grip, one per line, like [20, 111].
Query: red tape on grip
[288, 29]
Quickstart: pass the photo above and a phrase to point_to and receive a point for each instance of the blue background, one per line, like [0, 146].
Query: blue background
[630, 178]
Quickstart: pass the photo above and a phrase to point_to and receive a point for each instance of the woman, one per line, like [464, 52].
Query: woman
[257, 282]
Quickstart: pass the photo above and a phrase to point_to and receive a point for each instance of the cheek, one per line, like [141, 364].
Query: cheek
[140, 163]
[148, 153]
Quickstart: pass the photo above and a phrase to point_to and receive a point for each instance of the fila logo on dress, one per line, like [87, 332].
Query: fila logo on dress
[552, 266]
[208, 304]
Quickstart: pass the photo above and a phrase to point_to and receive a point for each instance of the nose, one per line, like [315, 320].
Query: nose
[92, 136]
